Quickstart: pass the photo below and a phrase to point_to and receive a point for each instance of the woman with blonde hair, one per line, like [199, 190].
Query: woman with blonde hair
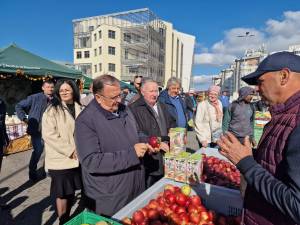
[58, 125]
[208, 120]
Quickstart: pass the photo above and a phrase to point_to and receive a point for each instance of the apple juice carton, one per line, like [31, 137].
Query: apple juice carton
[177, 140]
[180, 166]
[194, 168]
[169, 165]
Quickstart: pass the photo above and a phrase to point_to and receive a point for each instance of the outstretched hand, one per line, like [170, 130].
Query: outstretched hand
[232, 149]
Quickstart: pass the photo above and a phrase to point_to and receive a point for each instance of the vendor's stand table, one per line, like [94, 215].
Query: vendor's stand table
[225, 201]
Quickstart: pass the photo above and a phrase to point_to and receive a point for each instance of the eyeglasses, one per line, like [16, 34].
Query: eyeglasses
[112, 98]
[65, 91]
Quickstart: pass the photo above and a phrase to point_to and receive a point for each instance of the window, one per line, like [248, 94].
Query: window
[78, 55]
[111, 50]
[111, 67]
[100, 50]
[100, 67]
[95, 68]
[91, 28]
[100, 34]
[95, 37]
[95, 52]
[86, 54]
[127, 38]
[112, 34]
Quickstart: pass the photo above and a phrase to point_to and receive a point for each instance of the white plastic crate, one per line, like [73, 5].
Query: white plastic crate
[213, 197]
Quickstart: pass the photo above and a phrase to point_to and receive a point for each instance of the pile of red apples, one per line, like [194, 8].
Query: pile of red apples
[220, 172]
[175, 206]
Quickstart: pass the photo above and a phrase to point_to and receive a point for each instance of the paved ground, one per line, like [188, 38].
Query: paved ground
[30, 203]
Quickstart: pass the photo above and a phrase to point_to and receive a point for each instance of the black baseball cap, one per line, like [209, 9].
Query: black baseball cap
[274, 62]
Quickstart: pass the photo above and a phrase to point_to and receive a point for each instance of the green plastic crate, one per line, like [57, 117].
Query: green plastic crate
[87, 217]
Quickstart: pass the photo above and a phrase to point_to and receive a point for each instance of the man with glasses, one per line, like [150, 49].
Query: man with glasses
[108, 149]
[132, 97]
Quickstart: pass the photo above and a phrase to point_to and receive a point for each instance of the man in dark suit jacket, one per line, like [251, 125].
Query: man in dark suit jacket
[153, 119]
[35, 105]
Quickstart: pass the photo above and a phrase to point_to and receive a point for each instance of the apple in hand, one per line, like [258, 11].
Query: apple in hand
[154, 142]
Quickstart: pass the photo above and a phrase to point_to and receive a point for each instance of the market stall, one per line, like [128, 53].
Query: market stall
[22, 74]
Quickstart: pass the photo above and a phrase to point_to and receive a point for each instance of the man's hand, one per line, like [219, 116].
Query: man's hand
[141, 149]
[204, 144]
[232, 149]
[164, 147]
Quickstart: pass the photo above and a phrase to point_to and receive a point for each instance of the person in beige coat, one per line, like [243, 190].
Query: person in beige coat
[208, 120]
[58, 124]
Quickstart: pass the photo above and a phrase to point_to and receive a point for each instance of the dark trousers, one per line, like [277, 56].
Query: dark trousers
[38, 147]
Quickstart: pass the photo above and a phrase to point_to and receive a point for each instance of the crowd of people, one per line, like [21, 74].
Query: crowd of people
[99, 144]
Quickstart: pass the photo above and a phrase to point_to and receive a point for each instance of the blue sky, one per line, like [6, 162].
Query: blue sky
[45, 27]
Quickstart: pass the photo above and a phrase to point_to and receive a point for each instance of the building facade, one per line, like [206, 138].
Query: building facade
[130, 43]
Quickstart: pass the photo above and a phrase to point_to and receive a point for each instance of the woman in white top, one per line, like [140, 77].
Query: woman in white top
[208, 120]
[58, 125]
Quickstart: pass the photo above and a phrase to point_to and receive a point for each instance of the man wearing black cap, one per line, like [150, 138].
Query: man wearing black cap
[239, 117]
[273, 173]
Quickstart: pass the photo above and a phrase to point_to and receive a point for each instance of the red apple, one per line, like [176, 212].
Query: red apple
[171, 198]
[181, 199]
[195, 200]
[204, 216]
[195, 217]
[184, 218]
[153, 204]
[144, 211]
[138, 217]
[193, 209]
[154, 142]
[173, 207]
[180, 209]
[153, 214]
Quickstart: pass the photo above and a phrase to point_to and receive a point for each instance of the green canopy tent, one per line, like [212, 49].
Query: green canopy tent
[88, 81]
[15, 60]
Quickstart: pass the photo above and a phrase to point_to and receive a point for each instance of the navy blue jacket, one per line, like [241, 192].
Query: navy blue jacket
[164, 98]
[111, 170]
[34, 105]
[3, 135]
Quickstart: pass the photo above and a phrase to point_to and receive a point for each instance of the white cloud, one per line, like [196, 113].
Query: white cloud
[276, 35]
[202, 79]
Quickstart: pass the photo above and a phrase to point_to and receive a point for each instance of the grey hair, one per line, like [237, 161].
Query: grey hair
[172, 81]
[146, 80]
[100, 81]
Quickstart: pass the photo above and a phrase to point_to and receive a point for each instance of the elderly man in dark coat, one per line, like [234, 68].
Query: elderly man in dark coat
[153, 119]
[108, 149]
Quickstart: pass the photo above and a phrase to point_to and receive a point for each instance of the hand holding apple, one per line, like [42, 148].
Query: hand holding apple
[140, 149]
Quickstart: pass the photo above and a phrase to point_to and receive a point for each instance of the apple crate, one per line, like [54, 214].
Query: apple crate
[228, 203]
[87, 217]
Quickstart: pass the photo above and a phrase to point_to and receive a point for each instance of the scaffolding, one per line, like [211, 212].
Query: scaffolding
[142, 41]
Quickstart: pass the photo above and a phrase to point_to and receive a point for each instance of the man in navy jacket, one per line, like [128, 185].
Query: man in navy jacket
[108, 149]
[175, 104]
[35, 105]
